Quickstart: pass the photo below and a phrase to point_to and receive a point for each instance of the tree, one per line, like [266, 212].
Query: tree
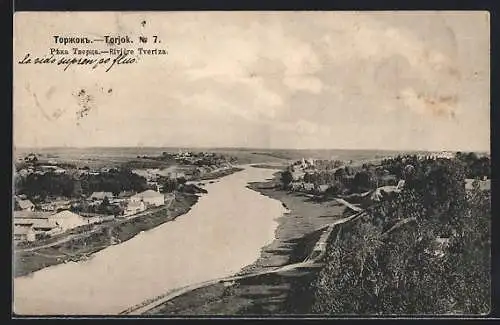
[168, 184]
[335, 189]
[340, 173]
[286, 178]
[363, 181]
[389, 261]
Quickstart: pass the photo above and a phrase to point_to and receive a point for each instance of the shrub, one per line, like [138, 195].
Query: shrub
[390, 262]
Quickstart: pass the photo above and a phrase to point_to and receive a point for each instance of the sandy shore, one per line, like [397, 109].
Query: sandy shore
[220, 173]
[282, 293]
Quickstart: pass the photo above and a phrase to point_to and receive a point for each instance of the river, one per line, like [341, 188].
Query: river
[220, 235]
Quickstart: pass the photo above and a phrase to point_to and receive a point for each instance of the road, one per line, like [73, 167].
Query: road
[96, 229]
[311, 261]
[349, 205]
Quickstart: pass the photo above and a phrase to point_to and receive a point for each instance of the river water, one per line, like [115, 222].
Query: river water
[220, 235]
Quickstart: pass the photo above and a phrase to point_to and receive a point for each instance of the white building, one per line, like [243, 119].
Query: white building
[26, 205]
[322, 188]
[484, 185]
[27, 223]
[308, 186]
[23, 234]
[101, 195]
[443, 155]
[298, 175]
[149, 197]
[55, 205]
[134, 207]
[68, 220]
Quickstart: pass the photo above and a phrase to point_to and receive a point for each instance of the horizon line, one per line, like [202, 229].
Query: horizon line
[246, 148]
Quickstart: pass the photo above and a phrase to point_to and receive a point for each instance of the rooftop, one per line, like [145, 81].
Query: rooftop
[101, 195]
[149, 193]
[31, 214]
[483, 184]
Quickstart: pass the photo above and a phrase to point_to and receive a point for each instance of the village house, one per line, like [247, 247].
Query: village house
[149, 197]
[24, 234]
[116, 200]
[442, 155]
[134, 207]
[101, 195]
[441, 245]
[308, 187]
[379, 193]
[54, 169]
[31, 158]
[30, 225]
[154, 185]
[23, 172]
[298, 175]
[177, 174]
[484, 185]
[387, 179]
[297, 186]
[24, 204]
[320, 189]
[55, 205]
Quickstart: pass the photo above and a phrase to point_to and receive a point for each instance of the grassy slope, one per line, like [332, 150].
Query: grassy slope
[267, 294]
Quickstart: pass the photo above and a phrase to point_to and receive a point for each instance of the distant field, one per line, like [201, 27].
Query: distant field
[96, 157]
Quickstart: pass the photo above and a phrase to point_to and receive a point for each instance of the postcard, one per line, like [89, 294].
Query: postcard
[251, 163]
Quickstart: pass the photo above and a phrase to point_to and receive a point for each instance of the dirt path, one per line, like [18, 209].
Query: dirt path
[311, 261]
[90, 232]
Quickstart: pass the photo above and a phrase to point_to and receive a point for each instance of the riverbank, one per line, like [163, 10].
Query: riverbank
[103, 236]
[270, 166]
[82, 246]
[220, 173]
[277, 293]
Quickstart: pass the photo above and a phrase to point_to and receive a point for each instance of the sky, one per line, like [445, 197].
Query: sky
[346, 80]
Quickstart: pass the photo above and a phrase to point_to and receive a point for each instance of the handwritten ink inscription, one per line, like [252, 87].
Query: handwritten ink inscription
[69, 51]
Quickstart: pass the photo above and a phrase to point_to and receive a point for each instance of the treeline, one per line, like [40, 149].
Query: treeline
[114, 181]
[474, 166]
[345, 180]
[170, 185]
[197, 159]
[37, 187]
[390, 261]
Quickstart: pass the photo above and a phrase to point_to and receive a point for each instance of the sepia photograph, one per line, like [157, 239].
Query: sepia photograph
[251, 164]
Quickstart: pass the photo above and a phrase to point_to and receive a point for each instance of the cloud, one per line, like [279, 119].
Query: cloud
[429, 105]
[309, 84]
[345, 73]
